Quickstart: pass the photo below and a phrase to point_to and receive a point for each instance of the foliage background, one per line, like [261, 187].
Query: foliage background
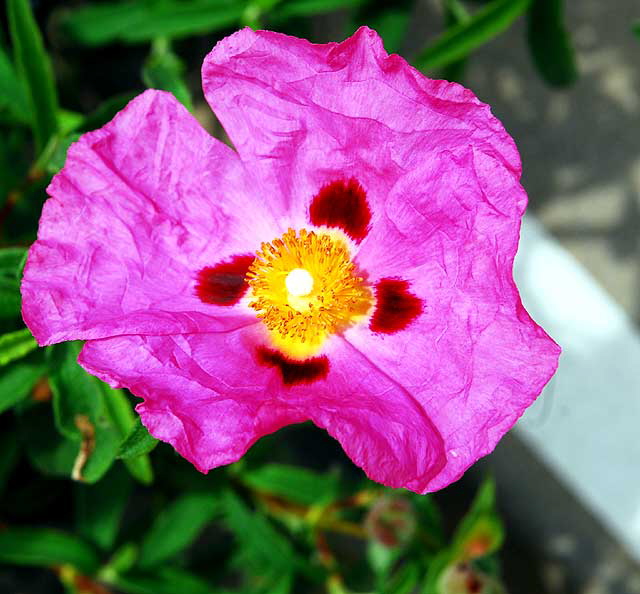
[85, 493]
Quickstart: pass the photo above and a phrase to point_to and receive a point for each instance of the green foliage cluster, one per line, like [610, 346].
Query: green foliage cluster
[84, 491]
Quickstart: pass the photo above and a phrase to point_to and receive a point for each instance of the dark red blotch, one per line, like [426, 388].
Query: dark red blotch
[342, 204]
[294, 372]
[225, 283]
[396, 306]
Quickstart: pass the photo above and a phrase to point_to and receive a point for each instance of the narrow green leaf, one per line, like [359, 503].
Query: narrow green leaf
[58, 155]
[261, 549]
[455, 12]
[177, 526]
[138, 442]
[48, 451]
[126, 422]
[139, 21]
[80, 412]
[455, 15]
[16, 383]
[35, 69]
[480, 532]
[15, 345]
[307, 8]
[550, 44]
[44, 546]
[10, 261]
[459, 41]
[636, 29]
[99, 508]
[405, 579]
[164, 70]
[163, 580]
[293, 483]
[13, 97]
[435, 569]
[10, 300]
[69, 121]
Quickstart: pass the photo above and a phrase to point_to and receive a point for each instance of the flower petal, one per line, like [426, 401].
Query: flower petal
[474, 359]
[379, 423]
[211, 397]
[140, 207]
[305, 115]
[203, 393]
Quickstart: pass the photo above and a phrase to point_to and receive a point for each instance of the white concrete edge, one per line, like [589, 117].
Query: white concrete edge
[586, 425]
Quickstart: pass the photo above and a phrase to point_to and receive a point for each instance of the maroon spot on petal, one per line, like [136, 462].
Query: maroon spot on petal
[294, 372]
[224, 283]
[342, 204]
[396, 307]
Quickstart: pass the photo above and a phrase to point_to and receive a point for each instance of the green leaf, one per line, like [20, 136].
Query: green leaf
[404, 580]
[261, 549]
[164, 70]
[307, 8]
[480, 532]
[58, 155]
[16, 383]
[138, 442]
[163, 580]
[429, 518]
[100, 507]
[15, 345]
[10, 261]
[435, 569]
[392, 26]
[176, 527]
[636, 29]
[34, 67]
[293, 483]
[81, 414]
[550, 44]
[126, 422]
[459, 41]
[455, 14]
[138, 21]
[10, 300]
[69, 121]
[13, 97]
[44, 546]
[48, 451]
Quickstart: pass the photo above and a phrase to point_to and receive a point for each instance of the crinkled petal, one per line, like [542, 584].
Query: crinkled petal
[380, 424]
[303, 115]
[139, 208]
[208, 395]
[203, 393]
[474, 359]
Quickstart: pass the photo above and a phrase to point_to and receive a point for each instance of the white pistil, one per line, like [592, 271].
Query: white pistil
[299, 282]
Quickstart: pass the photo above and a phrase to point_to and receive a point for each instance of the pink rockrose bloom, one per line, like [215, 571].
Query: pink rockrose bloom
[349, 263]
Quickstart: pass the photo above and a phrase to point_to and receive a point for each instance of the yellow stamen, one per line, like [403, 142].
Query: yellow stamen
[305, 287]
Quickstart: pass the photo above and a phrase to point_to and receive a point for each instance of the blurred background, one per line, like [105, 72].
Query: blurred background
[90, 503]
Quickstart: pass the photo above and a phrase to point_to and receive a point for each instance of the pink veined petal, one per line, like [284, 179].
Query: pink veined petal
[139, 208]
[209, 397]
[382, 427]
[474, 359]
[303, 115]
[203, 393]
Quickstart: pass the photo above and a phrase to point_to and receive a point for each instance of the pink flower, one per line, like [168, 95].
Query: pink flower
[395, 201]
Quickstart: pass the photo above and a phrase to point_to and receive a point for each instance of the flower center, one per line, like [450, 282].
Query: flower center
[305, 287]
[299, 282]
